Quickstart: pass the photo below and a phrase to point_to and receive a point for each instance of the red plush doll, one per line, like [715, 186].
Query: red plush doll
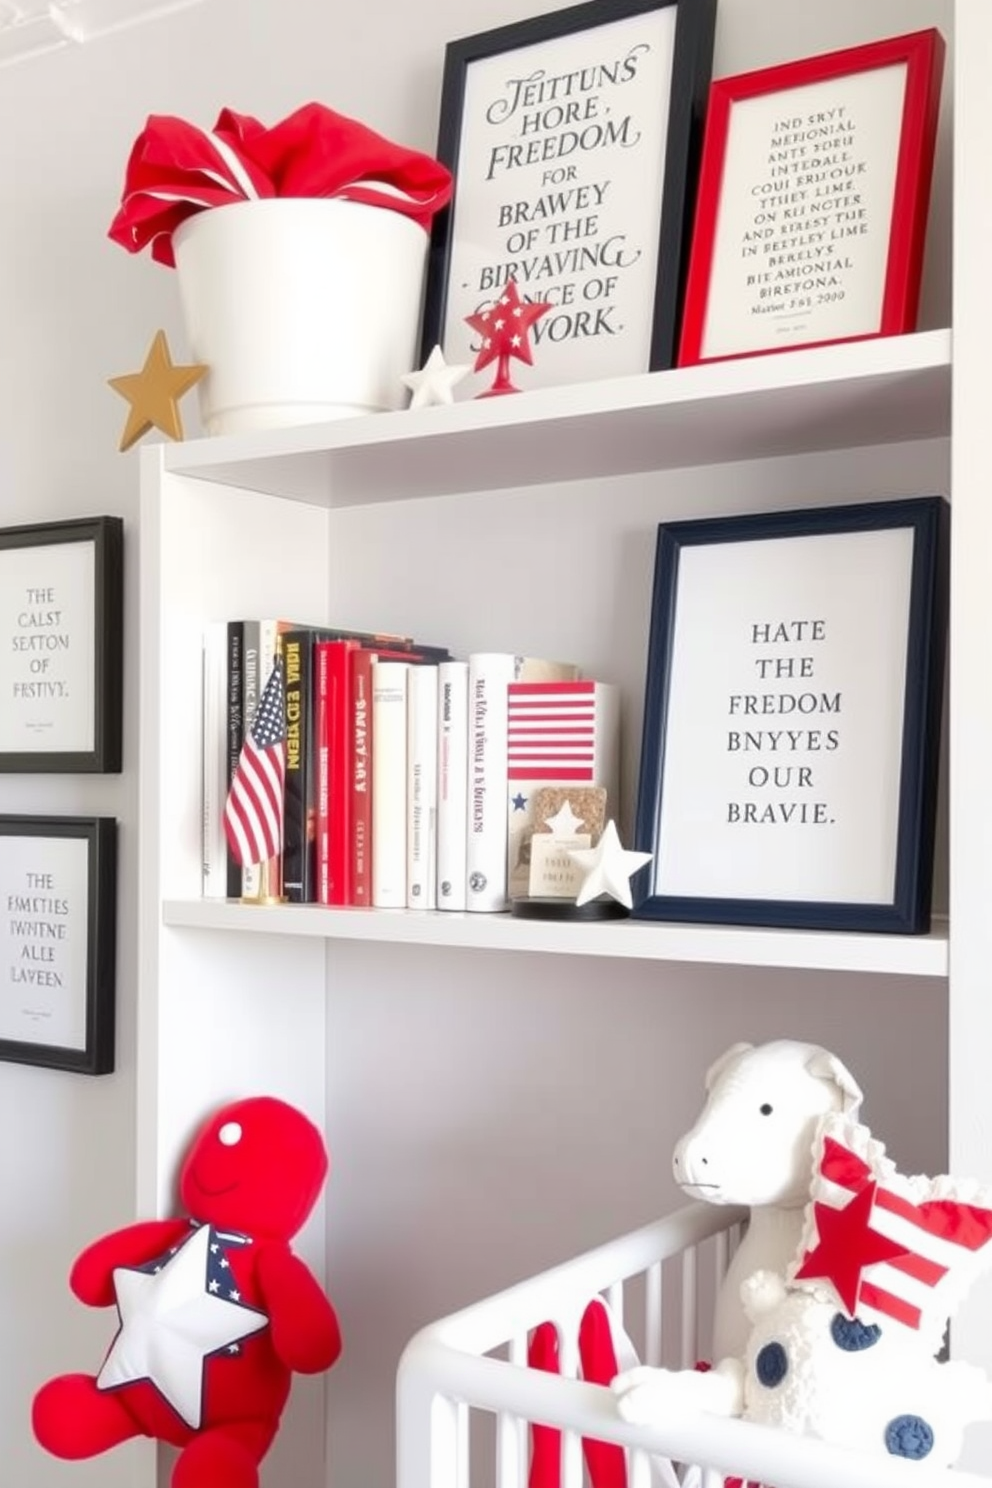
[216, 1312]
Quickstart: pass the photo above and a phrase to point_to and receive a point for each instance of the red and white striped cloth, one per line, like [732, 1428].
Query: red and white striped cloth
[551, 730]
[177, 169]
[893, 1249]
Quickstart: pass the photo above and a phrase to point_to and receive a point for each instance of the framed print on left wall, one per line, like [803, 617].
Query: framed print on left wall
[58, 919]
[61, 646]
[573, 138]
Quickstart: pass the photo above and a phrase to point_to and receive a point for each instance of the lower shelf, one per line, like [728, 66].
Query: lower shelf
[726, 945]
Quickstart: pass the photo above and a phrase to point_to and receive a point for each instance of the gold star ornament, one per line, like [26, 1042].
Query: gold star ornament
[154, 393]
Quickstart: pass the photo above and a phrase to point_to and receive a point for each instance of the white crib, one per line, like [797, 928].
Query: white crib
[470, 1369]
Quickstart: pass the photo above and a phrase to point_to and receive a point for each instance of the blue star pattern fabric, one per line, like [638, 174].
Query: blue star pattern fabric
[175, 1313]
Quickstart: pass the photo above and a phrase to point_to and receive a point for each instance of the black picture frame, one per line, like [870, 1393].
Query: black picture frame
[869, 847]
[695, 22]
[42, 662]
[43, 911]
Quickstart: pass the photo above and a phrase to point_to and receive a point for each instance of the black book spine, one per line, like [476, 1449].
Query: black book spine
[300, 821]
[235, 717]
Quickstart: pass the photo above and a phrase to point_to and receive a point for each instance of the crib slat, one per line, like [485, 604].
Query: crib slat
[614, 1300]
[653, 1317]
[444, 1443]
[573, 1470]
[639, 1470]
[463, 1463]
[689, 1311]
[511, 1433]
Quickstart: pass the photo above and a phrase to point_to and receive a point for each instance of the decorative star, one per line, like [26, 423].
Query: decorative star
[519, 802]
[564, 823]
[154, 393]
[608, 868]
[847, 1246]
[504, 330]
[436, 381]
[171, 1324]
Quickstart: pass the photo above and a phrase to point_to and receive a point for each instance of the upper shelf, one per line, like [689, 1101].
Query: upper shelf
[877, 391]
[639, 940]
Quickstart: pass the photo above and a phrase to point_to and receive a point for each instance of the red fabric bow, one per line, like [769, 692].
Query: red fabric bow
[176, 169]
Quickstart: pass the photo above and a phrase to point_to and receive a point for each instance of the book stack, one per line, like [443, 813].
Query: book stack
[398, 762]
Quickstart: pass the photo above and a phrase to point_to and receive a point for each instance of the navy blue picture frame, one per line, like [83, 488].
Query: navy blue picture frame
[691, 76]
[908, 910]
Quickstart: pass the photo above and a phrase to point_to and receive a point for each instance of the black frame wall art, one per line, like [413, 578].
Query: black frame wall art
[61, 646]
[792, 718]
[574, 140]
[58, 926]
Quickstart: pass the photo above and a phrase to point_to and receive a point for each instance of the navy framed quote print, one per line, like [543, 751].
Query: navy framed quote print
[573, 138]
[58, 919]
[61, 646]
[792, 718]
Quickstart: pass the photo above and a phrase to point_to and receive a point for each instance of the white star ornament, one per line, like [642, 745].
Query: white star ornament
[564, 823]
[436, 381]
[608, 868]
[170, 1325]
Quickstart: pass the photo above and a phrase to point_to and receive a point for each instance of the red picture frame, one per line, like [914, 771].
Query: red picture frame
[717, 309]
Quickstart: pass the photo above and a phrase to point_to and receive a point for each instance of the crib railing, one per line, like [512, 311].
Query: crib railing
[658, 1282]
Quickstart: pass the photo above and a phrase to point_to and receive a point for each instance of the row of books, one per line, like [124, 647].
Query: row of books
[410, 776]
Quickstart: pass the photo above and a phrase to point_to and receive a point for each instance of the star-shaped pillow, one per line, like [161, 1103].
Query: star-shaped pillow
[891, 1249]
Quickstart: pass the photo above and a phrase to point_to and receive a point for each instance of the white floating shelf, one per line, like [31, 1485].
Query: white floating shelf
[879, 391]
[639, 940]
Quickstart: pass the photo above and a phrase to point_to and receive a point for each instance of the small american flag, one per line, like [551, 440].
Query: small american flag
[895, 1249]
[551, 730]
[253, 815]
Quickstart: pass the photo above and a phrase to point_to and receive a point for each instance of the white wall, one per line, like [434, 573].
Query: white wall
[510, 1118]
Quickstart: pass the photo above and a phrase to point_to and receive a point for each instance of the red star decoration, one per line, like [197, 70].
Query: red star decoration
[847, 1247]
[504, 330]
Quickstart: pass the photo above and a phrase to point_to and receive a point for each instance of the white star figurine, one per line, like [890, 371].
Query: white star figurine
[436, 381]
[170, 1323]
[564, 823]
[608, 868]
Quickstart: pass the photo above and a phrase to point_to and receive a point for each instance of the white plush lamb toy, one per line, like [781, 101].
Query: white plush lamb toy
[752, 1144]
[842, 1347]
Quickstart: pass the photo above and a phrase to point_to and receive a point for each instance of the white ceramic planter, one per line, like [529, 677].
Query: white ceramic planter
[303, 309]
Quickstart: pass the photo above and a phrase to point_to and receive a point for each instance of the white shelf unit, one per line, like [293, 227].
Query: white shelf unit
[413, 521]
[717, 945]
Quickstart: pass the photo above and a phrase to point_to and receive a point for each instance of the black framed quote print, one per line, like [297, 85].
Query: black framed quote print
[792, 718]
[58, 897]
[573, 138]
[61, 646]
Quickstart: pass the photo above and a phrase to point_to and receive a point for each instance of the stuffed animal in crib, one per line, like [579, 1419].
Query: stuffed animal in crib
[842, 1348]
[215, 1311]
[752, 1145]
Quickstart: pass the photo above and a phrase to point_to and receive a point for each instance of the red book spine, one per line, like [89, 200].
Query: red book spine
[361, 776]
[321, 745]
[339, 803]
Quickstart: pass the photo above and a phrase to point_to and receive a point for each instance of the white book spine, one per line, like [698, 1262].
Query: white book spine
[421, 789]
[214, 763]
[389, 778]
[489, 675]
[452, 782]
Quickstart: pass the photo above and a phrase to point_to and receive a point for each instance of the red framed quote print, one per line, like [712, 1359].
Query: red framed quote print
[813, 201]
